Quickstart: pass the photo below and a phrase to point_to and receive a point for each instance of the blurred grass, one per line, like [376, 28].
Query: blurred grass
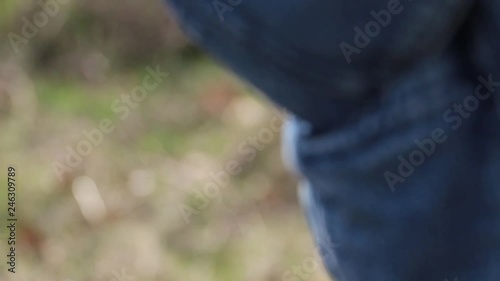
[64, 81]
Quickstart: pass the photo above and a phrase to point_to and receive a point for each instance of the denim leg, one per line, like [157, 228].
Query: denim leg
[437, 217]
[400, 165]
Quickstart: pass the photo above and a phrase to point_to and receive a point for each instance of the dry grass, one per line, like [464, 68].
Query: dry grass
[133, 183]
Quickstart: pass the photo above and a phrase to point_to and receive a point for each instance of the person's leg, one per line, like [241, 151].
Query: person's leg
[405, 194]
[323, 60]
[398, 160]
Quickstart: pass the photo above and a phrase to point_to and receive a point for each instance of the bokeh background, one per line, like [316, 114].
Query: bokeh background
[116, 215]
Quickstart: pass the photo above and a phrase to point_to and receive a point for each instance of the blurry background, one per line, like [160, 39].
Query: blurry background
[135, 207]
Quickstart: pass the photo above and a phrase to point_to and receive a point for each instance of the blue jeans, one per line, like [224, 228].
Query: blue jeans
[396, 126]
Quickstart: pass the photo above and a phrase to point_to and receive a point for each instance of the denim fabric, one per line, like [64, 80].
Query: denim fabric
[398, 142]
